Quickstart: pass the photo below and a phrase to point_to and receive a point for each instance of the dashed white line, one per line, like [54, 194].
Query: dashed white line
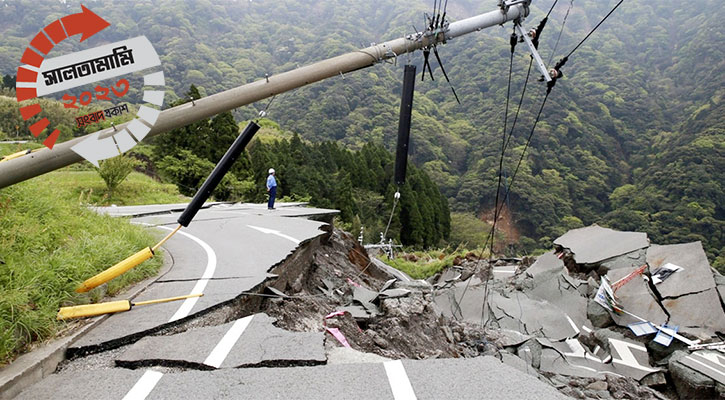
[273, 232]
[144, 386]
[222, 349]
[398, 380]
[150, 378]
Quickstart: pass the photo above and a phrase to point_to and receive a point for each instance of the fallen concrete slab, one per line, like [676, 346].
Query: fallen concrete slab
[695, 276]
[689, 295]
[689, 378]
[594, 243]
[571, 358]
[259, 344]
[546, 262]
[629, 261]
[566, 293]
[530, 316]
[709, 363]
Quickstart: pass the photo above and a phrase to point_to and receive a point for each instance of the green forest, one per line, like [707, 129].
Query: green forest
[632, 137]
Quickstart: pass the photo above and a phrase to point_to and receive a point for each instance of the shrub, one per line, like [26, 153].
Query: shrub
[115, 170]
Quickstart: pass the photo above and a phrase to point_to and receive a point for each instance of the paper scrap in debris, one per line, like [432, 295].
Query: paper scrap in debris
[663, 338]
[642, 328]
[664, 272]
[339, 336]
[605, 296]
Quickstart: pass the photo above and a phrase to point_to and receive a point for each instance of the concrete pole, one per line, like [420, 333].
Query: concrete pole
[46, 160]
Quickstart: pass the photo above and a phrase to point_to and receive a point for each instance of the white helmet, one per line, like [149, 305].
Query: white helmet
[271, 170]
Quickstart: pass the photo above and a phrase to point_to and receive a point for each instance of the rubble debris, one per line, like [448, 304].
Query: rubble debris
[594, 244]
[690, 383]
[546, 262]
[598, 315]
[560, 326]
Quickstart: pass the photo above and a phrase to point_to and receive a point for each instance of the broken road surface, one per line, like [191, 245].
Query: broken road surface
[227, 250]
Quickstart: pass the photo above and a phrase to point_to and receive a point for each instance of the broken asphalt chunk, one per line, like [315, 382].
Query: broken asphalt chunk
[594, 243]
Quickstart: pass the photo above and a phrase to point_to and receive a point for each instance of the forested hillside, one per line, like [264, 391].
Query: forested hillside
[631, 137]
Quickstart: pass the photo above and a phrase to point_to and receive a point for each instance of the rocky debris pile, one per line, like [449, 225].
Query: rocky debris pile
[332, 285]
[604, 305]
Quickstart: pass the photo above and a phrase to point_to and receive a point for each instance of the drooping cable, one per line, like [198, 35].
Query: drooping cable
[528, 141]
[594, 29]
[558, 38]
[513, 40]
[521, 100]
[395, 202]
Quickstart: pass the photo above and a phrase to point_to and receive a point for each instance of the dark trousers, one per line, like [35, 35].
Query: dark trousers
[272, 195]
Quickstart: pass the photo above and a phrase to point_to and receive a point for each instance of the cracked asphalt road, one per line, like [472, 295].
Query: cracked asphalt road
[228, 250]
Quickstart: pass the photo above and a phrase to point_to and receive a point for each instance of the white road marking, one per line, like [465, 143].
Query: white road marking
[144, 386]
[222, 349]
[273, 232]
[211, 259]
[626, 357]
[398, 380]
[709, 357]
[573, 325]
[150, 378]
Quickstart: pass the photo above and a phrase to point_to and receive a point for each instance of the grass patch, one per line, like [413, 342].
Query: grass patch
[88, 187]
[422, 265]
[50, 243]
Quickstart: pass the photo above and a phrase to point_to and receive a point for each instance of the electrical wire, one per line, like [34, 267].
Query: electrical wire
[551, 9]
[395, 202]
[528, 141]
[521, 100]
[491, 235]
[558, 38]
[595, 28]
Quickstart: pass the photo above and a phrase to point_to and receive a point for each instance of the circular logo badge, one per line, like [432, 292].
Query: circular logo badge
[110, 62]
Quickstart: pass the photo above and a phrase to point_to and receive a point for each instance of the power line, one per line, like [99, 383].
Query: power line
[595, 28]
[558, 38]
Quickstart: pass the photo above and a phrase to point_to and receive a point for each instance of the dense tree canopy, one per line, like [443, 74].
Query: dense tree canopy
[631, 137]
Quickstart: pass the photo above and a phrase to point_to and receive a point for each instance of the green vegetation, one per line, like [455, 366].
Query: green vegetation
[48, 245]
[421, 265]
[325, 174]
[87, 187]
[631, 136]
[115, 170]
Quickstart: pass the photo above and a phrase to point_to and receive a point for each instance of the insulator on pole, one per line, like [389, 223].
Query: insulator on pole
[406, 108]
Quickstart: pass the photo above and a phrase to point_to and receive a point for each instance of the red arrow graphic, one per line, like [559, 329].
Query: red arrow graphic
[85, 22]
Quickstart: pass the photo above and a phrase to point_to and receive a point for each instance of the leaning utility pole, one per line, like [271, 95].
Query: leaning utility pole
[46, 160]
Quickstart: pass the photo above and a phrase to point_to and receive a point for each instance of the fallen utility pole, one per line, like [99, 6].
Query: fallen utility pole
[46, 160]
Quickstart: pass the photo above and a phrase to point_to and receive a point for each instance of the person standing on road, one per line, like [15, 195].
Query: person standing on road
[271, 189]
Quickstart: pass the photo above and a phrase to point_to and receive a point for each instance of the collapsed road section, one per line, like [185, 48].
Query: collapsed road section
[324, 315]
[330, 313]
